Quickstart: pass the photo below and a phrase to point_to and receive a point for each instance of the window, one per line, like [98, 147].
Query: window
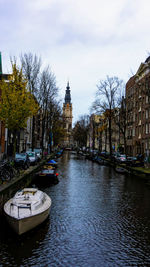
[146, 145]
[136, 117]
[146, 99]
[146, 114]
[146, 128]
[143, 129]
[136, 131]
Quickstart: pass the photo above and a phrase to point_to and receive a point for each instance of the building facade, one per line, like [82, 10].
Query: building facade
[138, 111]
[93, 137]
[3, 130]
[98, 134]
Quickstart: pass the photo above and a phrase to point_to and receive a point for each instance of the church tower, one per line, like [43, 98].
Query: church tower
[67, 117]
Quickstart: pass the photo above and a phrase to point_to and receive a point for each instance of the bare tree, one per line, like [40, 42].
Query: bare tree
[55, 123]
[107, 99]
[31, 65]
[80, 130]
[48, 92]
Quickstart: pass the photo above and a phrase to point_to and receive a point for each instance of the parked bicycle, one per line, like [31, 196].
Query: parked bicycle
[8, 170]
[4, 173]
[12, 168]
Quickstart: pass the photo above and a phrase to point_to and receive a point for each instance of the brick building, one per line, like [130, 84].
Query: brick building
[138, 111]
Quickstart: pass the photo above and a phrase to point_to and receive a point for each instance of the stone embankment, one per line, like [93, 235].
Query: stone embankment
[141, 172]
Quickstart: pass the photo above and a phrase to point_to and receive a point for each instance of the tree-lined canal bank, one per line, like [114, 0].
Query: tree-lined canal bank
[98, 218]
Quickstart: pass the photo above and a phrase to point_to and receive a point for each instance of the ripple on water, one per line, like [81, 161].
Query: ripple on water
[98, 218]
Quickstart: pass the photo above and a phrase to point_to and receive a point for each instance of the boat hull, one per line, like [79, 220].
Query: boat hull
[47, 180]
[47, 176]
[21, 226]
[121, 170]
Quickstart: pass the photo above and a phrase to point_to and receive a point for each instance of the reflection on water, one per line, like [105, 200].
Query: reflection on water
[98, 218]
[17, 249]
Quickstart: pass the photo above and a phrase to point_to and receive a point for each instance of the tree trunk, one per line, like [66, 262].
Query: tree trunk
[125, 144]
[106, 140]
[33, 133]
[14, 142]
[43, 129]
[110, 141]
[93, 141]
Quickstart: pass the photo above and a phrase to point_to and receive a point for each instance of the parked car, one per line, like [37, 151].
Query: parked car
[32, 157]
[130, 160]
[22, 160]
[121, 158]
[104, 154]
[114, 156]
[134, 162]
[38, 151]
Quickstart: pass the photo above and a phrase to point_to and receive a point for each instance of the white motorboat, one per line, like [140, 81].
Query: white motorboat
[27, 209]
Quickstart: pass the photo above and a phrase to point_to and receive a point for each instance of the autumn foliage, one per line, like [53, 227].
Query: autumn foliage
[17, 104]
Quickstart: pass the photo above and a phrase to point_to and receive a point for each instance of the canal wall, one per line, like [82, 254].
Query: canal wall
[140, 172]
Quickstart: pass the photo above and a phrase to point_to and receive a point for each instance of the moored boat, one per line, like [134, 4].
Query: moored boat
[121, 170]
[52, 163]
[27, 209]
[47, 176]
[48, 167]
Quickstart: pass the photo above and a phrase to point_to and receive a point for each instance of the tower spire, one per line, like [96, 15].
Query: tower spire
[67, 95]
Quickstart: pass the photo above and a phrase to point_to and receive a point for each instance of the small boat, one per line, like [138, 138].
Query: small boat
[121, 170]
[52, 163]
[27, 209]
[47, 176]
[59, 153]
[49, 167]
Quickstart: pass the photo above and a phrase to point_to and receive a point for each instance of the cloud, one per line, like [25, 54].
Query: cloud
[82, 40]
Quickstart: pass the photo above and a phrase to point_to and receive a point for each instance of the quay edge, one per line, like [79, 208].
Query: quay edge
[139, 172]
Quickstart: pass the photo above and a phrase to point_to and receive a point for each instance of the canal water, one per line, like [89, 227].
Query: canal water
[98, 218]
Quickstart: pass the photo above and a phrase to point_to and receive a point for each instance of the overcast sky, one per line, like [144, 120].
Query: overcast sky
[81, 40]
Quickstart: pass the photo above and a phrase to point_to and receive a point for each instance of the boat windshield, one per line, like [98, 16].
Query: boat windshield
[31, 154]
[50, 171]
[37, 150]
[22, 155]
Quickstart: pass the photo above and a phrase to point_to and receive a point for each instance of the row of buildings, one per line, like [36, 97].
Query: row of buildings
[136, 139]
[26, 135]
[133, 140]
